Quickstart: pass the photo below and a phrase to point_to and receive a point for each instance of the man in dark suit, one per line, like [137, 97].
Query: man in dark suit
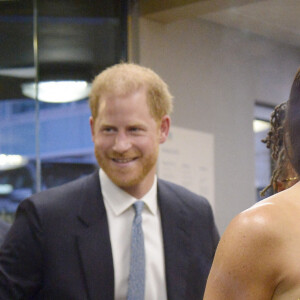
[74, 241]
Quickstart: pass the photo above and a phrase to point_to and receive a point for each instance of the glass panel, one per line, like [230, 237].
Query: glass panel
[17, 134]
[263, 161]
[75, 42]
[65, 40]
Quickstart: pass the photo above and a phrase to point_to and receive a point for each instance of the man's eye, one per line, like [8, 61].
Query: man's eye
[108, 129]
[135, 130]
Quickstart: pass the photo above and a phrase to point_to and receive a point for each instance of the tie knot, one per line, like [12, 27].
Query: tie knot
[138, 206]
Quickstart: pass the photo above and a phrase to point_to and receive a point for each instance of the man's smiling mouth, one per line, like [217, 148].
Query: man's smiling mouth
[124, 160]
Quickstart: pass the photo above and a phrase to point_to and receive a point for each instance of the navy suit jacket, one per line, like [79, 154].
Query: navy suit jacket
[59, 246]
[3, 230]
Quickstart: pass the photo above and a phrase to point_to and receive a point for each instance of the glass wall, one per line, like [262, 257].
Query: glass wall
[264, 165]
[43, 142]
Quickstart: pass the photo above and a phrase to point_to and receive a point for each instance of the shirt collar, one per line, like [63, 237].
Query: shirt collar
[119, 200]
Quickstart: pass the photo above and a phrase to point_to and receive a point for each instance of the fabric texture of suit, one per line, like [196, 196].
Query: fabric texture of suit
[59, 246]
[4, 227]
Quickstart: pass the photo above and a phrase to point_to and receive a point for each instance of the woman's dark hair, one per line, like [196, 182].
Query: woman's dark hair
[292, 137]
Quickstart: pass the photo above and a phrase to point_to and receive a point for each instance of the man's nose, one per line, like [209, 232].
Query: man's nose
[122, 142]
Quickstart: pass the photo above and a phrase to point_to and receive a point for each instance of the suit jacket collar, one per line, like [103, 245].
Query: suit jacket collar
[95, 249]
[176, 241]
[94, 242]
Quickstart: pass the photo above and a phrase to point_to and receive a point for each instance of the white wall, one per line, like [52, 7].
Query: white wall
[216, 74]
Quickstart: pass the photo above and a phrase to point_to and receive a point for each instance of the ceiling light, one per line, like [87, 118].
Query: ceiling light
[9, 162]
[57, 91]
[6, 189]
[259, 125]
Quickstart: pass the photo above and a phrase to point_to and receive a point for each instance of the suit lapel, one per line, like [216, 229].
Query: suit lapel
[176, 241]
[94, 243]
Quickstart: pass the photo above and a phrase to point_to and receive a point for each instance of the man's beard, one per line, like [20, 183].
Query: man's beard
[128, 176]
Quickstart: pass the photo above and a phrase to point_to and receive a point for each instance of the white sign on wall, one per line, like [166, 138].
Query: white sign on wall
[187, 158]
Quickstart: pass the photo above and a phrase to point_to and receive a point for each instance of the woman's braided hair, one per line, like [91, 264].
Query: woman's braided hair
[275, 142]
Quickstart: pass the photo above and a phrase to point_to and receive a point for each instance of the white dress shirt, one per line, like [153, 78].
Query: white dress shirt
[120, 214]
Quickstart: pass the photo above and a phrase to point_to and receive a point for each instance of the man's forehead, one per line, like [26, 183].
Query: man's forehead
[113, 96]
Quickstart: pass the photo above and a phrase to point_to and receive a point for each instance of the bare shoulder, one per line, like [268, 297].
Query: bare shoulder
[248, 256]
[270, 218]
[251, 236]
[250, 261]
[257, 223]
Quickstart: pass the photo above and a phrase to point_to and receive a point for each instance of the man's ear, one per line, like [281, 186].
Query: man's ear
[92, 122]
[164, 128]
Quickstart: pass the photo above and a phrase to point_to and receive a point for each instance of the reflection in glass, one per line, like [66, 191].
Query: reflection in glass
[57, 91]
[73, 41]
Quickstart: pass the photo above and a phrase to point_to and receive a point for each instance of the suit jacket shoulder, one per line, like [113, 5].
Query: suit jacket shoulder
[190, 202]
[66, 196]
[190, 240]
[60, 237]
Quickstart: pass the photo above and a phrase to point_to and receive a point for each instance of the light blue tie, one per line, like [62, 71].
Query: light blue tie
[136, 286]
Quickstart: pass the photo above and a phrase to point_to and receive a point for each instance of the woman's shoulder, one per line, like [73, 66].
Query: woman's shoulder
[257, 230]
[260, 220]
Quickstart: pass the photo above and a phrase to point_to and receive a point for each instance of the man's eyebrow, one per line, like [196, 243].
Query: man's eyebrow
[137, 125]
[106, 125]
